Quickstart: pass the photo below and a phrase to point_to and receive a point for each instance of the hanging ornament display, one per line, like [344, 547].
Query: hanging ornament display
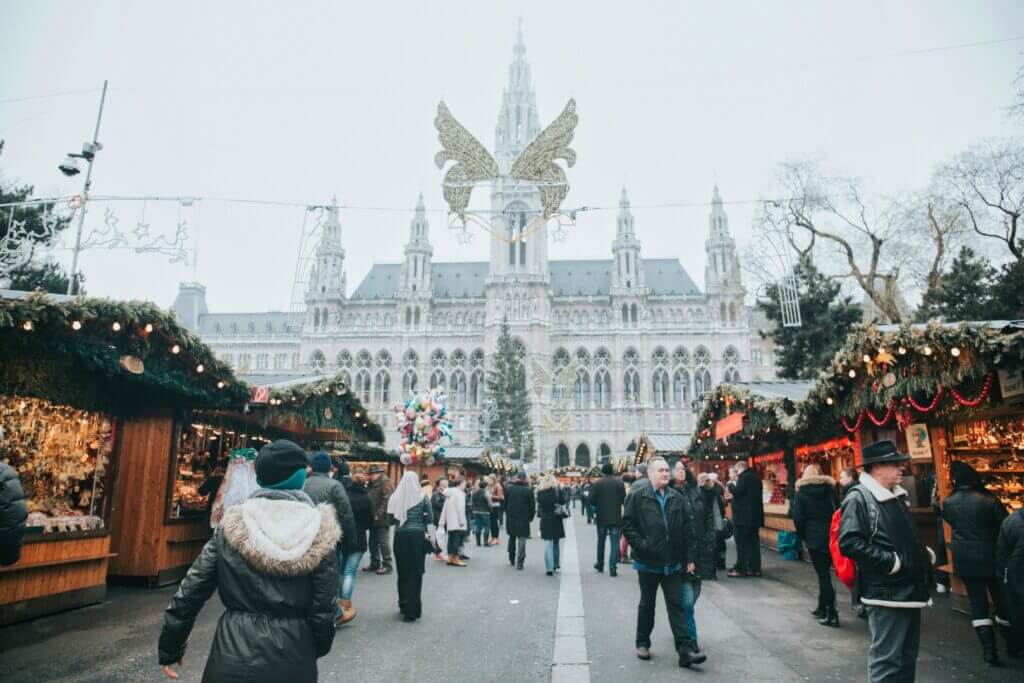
[889, 380]
[422, 422]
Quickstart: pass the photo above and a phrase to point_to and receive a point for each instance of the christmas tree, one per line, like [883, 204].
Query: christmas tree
[964, 292]
[505, 420]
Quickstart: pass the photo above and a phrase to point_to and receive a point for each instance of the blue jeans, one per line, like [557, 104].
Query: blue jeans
[482, 526]
[348, 567]
[551, 554]
[604, 532]
[689, 593]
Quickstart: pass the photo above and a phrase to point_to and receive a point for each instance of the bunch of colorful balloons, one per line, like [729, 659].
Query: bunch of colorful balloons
[422, 421]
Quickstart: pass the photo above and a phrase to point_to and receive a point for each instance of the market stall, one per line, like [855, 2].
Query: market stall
[772, 427]
[88, 390]
[943, 392]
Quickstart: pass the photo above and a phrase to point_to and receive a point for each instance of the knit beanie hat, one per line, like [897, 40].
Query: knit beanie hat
[279, 464]
[321, 462]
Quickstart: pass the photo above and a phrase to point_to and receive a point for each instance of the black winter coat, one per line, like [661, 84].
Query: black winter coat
[13, 513]
[697, 507]
[322, 489]
[520, 509]
[812, 509]
[362, 513]
[976, 517]
[437, 503]
[747, 501]
[653, 541]
[551, 526]
[893, 566]
[279, 601]
[1010, 564]
[607, 495]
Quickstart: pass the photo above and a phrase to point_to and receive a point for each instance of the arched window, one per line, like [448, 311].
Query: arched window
[625, 315]
[316, 317]
[317, 362]
[732, 375]
[681, 387]
[410, 359]
[660, 356]
[659, 388]
[680, 356]
[562, 455]
[437, 379]
[476, 359]
[515, 220]
[346, 379]
[438, 359]
[382, 387]
[582, 455]
[363, 386]
[631, 386]
[458, 385]
[632, 314]
[363, 359]
[721, 312]
[731, 356]
[409, 380]
[604, 451]
[581, 390]
[602, 357]
[383, 359]
[732, 312]
[458, 358]
[476, 389]
[602, 389]
[702, 382]
[702, 356]
[631, 357]
[416, 317]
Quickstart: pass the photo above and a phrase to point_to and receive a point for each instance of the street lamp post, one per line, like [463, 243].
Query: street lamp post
[73, 279]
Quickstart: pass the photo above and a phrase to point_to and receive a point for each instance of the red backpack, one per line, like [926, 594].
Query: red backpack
[846, 569]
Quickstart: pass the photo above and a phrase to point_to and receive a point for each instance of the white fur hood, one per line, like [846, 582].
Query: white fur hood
[282, 533]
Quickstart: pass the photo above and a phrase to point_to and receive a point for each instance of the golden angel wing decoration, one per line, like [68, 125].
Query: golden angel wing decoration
[473, 163]
[567, 376]
[537, 162]
[541, 378]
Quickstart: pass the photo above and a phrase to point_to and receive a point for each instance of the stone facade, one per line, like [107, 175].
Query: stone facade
[643, 341]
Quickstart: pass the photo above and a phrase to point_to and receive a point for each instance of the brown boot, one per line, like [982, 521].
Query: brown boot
[347, 610]
[454, 561]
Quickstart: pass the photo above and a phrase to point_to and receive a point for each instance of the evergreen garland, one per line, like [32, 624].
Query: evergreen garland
[326, 405]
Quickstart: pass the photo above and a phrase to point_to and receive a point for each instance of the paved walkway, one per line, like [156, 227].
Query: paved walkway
[489, 622]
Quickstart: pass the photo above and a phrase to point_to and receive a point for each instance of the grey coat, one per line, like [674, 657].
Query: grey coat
[322, 489]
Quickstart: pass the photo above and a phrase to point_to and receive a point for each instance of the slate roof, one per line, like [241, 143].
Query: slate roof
[568, 278]
[215, 324]
[464, 453]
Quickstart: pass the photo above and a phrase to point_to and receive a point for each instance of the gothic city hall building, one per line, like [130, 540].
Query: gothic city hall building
[613, 348]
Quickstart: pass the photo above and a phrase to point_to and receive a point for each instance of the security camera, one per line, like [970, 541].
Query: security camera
[69, 166]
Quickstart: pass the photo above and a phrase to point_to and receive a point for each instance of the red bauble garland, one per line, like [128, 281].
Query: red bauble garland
[979, 399]
[888, 415]
[931, 406]
[856, 426]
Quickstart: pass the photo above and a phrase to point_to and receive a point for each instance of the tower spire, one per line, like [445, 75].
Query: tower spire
[518, 122]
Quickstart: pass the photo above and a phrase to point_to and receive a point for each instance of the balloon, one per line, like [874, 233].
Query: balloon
[405, 458]
[410, 413]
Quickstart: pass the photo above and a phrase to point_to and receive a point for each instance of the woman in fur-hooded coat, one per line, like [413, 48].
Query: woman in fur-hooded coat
[272, 561]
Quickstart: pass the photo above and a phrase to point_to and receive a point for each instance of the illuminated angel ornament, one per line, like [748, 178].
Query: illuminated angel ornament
[535, 165]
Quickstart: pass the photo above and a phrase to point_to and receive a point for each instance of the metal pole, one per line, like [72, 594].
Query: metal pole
[72, 280]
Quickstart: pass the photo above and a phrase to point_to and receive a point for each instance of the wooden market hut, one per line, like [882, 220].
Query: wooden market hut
[89, 390]
[771, 426]
[942, 392]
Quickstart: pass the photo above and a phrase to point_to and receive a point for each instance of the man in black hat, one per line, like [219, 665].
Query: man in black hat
[878, 533]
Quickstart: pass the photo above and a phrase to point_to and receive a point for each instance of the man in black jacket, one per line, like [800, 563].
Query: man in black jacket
[747, 519]
[607, 496]
[520, 509]
[879, 535]
[13, 513]
[664, 545]
[321, 488]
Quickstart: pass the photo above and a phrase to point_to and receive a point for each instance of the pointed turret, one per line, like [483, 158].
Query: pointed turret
[624, 223]
[628, 274]
[326, 290]
[723, 279]
[416, 269]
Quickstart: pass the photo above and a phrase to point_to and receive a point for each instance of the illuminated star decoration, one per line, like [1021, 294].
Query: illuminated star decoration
[141, 230]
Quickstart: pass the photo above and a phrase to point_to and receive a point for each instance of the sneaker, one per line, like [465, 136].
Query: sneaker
[643, 653]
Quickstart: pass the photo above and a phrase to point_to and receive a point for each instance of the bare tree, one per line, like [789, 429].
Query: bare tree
[935, 226]
[987, 182]
[868, 238]
[1017, 108]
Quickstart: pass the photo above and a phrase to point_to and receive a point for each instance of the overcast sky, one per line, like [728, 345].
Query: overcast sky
[298, 101]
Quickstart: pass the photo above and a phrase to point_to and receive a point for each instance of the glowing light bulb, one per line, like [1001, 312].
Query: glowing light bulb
[76, 325]
[852, 373]
[116, 327]
[955, 352]
[175, 349]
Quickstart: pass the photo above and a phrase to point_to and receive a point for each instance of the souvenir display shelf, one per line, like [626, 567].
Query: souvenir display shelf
[995, 448]
[62, 456]
[201, 445]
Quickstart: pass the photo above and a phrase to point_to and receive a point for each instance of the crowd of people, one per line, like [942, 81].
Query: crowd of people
[286, 560]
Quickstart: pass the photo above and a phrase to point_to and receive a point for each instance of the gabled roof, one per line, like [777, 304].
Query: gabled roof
[568, 278]
[464, 453]
[668, 443]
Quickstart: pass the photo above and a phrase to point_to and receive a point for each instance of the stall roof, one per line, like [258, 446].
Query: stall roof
[794, 390]
[464, 453]
[280, 381]
[668, 443]
[993, 324]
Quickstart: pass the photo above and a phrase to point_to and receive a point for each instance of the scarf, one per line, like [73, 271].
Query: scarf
[407, 495]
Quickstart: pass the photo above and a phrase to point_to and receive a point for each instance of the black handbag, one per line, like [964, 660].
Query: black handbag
[727, 529]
